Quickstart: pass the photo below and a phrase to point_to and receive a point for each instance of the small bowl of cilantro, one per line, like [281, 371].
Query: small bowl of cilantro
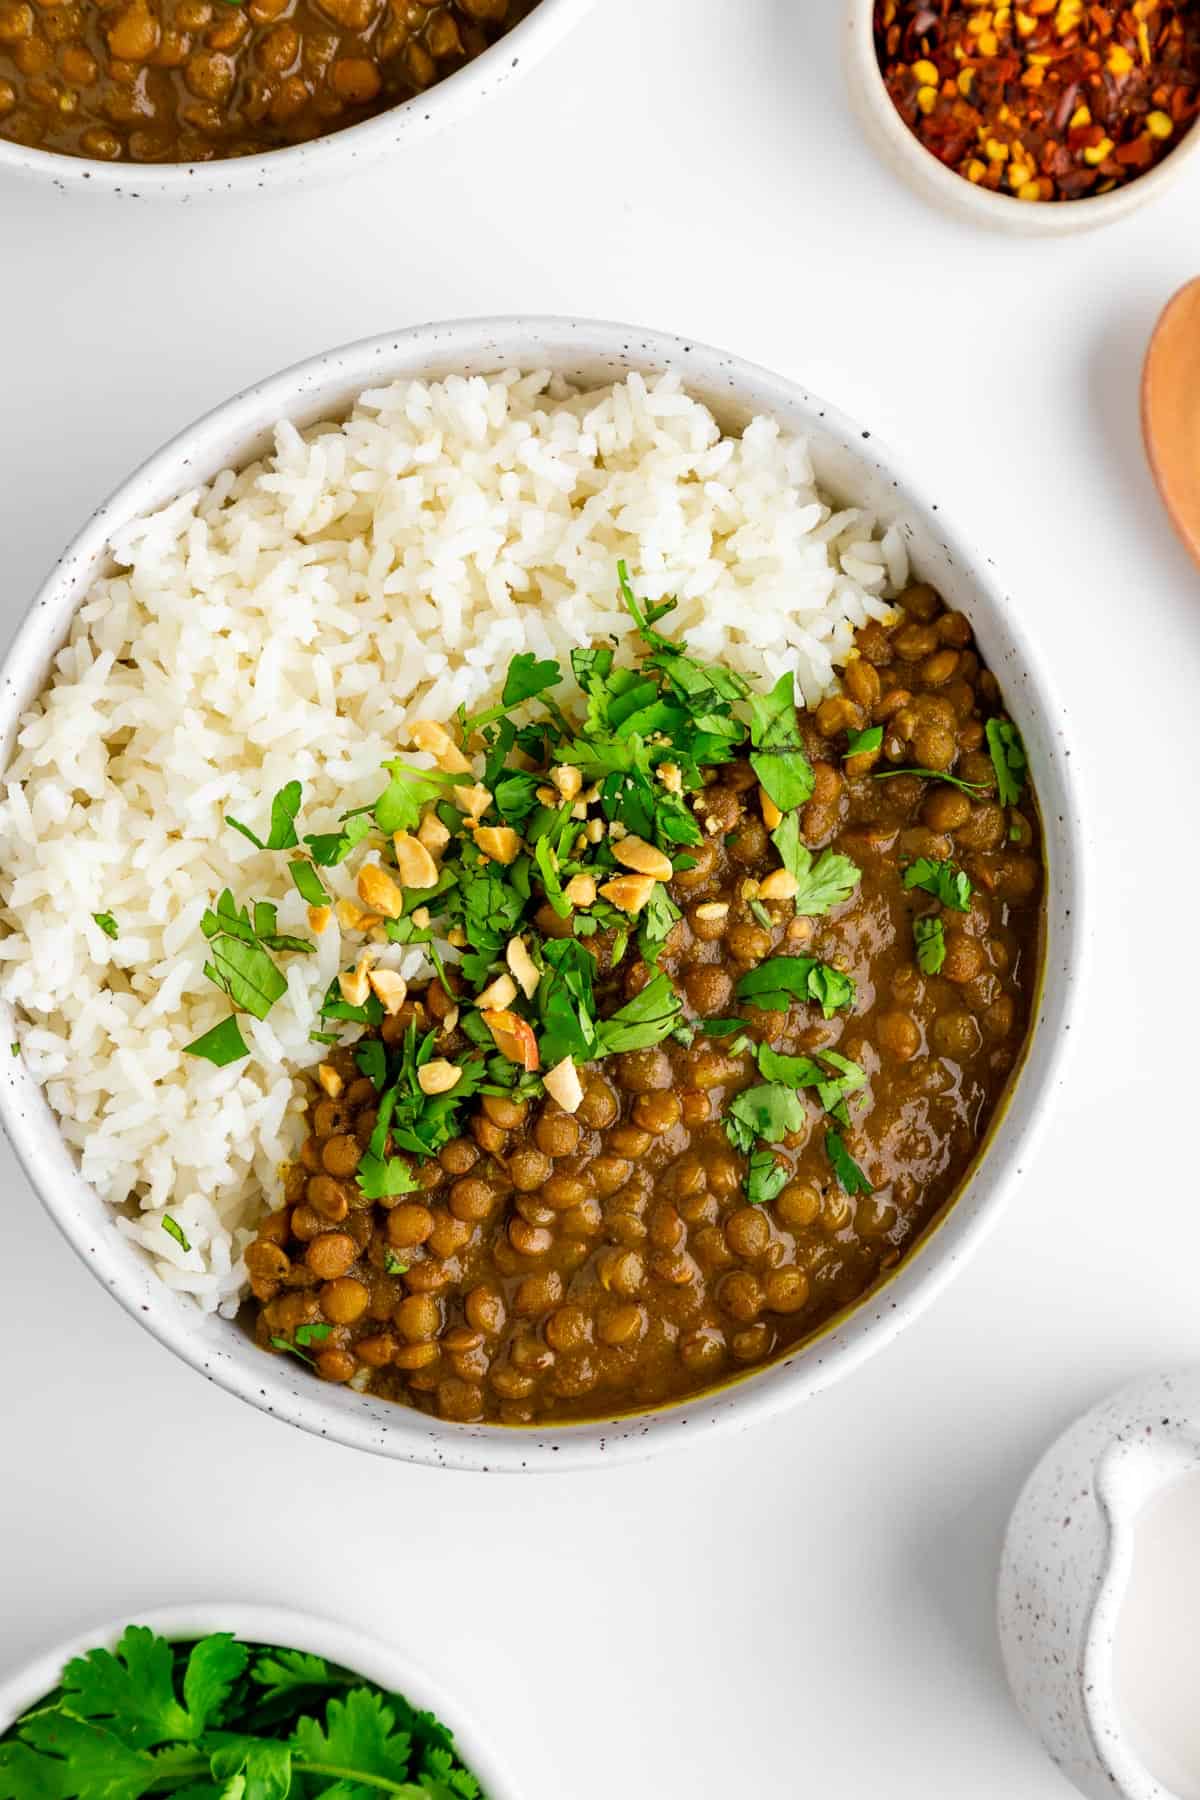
[237, 1703]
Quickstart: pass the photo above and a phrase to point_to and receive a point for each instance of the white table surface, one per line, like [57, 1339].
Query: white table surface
[806, 1609]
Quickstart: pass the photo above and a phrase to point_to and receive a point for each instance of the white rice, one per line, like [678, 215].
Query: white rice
[284, 622]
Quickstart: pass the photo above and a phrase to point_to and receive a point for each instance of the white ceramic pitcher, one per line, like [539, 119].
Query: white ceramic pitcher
[1065, 1570]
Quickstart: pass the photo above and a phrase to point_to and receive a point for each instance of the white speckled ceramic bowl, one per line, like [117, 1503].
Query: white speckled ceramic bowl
[853, 467]
[896, 146]
[323, 157]
[1067, 1559]
[379, 1662]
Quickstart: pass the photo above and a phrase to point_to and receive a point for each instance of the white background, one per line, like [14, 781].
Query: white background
[805, 1610]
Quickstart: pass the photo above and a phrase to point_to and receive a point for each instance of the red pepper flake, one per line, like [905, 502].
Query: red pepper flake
[1046, 99]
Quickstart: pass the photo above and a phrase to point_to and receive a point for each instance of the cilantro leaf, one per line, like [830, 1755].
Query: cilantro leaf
[312, 1334]
[769, 1112]
[279, 1671]
[775, 983]
[358, 1739]
[528, 677]
[824, 882]
[656, 922]
[329, 848]
[222, 1045]
[862, 743]
[282, 834]
[778, 757]
[832, 1090]
[246, 973]
[380, 1178]
[930, 938]
[107, 924]
[948, 883]
[307, 882]
[645, 1020]
[76, 1758]
[850, 1177]
[213, 1666]
[1008, 760]
[174, 1229]
[131, 1689]
[766, 1177]
[408, 793]
[974, 788]
[371, 1058]
[254, 1768]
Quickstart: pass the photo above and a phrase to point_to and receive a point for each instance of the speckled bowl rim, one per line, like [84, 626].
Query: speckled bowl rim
[849, 460]
[324, 157]
[286, 1628]
[896, 146]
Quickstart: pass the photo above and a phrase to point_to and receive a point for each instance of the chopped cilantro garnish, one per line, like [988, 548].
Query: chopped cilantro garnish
[862, 743]
[107, 924]
[222, 1045]
[282, 834]
[645, 1020]
[766, 1177]
[328, 848]
[1008, 760]
[944, 880]
[974, 788]
[393, 1264]
[307, 882]
[778, 757]
[768, 1112]
[174, 1229]
[780, 980]
[285, 1344]
[930, 938]
[851, 1179]
[825, 881]
[312, 1334]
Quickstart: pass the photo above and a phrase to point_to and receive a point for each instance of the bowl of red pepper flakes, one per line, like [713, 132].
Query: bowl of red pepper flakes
[1048, 116]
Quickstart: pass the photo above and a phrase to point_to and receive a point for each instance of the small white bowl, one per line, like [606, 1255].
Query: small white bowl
[323, 157]
[851, 465]
[280, 1626]
[908, 158]
[1067, 1562]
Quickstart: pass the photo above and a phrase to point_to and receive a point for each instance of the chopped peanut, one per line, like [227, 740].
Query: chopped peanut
[438, 1076]
[635, 853]
[436, 741]
[331, 1082]
[389, 988]
[580, 890]
[514, 1038]
[522, 966]
[713, 909]
[567, 780]
[770, 812]
[318, 919]
[474, 801]
[417, 868]
[377, 890]
[354, 983]
[562, 1083]
[629, 892]
[499, 993]
[433, 834]
[780, 884]
[500, 842]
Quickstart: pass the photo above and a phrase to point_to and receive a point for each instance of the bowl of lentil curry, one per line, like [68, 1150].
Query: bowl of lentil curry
[1047, 117]
[691, 1164]
[147, 97]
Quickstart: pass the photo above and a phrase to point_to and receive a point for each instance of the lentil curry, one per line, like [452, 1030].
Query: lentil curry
[739, 988]
[156, 81]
